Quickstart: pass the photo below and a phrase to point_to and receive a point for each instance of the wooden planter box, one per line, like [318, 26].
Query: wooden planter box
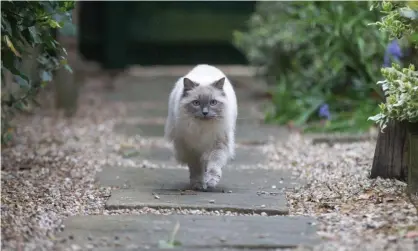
[413, 158]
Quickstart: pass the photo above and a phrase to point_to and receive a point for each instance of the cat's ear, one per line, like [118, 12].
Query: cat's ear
[219, 83]
[188, 84]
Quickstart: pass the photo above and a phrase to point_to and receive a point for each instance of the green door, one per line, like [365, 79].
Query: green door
[196, 21]
[151, 33]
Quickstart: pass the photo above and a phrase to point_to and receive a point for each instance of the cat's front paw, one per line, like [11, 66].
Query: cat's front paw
[211, 180]
[198, 185]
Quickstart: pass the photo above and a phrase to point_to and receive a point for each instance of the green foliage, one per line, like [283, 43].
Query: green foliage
[400, 84]
[26, 35]
[317, 52]
[401, 87]
[400, 19]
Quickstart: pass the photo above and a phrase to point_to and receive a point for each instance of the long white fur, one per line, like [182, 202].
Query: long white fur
[202, 134]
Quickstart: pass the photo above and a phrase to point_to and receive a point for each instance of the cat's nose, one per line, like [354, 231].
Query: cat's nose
[205, 111]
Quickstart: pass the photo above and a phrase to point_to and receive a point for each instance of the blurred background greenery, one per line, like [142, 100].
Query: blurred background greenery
[322, 60]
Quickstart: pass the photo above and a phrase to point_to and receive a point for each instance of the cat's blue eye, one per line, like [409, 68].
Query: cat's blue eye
[213, 102]
[196, 102]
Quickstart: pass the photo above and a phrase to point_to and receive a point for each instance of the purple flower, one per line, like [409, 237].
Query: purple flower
[393, 50]
[324, 112]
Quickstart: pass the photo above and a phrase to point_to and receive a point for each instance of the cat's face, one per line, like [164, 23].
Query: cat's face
[204, 102]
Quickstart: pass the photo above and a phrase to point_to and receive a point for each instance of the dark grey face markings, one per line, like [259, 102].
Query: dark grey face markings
[205, 107]
[219, 84]
[188, 86]
[203, 103]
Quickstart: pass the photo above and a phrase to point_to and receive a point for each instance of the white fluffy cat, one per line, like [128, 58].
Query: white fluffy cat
[202, 114]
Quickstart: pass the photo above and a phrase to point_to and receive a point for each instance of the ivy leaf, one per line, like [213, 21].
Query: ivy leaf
[23, 82]
[68, 68]
[376, 117]
[28, 23]
[9, 63]
[11, 46]
[6, 25]
[54, 24]
[20, 106]
[34, 34]
[46, 76]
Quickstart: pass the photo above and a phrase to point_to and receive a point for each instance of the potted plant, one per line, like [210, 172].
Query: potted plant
[401, 90]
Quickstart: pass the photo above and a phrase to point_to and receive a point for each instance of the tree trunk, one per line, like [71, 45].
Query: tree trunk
[30, 65]
[413, 158]
[66, 91]
[390, 158]
[66, 86]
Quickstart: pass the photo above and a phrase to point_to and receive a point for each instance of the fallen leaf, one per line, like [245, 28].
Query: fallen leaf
[411, 234]
[367, 195]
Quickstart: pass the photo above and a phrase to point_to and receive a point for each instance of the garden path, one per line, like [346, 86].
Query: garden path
[249, 208]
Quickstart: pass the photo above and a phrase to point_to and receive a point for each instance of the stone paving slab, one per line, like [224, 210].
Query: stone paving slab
[151, 94]
[245, 191]
[158, 88]
[245, 134]
[118, 247]
[143, 89]
[251, 202]
[247, 112]
[159, 179]
[179, 70]
[195, 232]
[249, 156]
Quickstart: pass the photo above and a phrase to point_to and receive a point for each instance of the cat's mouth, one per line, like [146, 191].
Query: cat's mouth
[205, 118]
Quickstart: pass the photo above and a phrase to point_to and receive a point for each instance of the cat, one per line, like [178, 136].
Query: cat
[201, 121]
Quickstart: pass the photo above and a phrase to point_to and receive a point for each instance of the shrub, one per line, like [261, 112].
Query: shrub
[26, 34]
[319, 55]
[400, 84]
[401, 87]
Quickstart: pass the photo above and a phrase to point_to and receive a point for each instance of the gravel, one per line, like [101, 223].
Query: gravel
[48, 174]
[147, 210]
[354, 212]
